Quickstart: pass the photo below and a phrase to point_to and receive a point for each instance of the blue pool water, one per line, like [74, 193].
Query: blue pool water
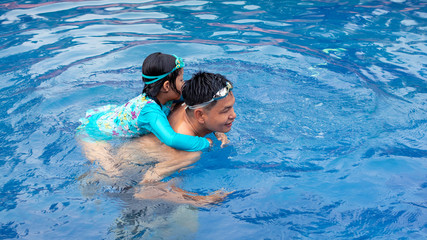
[329, 143]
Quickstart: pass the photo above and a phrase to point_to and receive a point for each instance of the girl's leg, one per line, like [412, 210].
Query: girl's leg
[101, 153]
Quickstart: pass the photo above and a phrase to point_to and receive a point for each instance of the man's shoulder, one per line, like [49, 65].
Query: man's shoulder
[177, 120]
[177, 113]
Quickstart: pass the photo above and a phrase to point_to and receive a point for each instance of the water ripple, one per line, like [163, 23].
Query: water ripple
[330, 139]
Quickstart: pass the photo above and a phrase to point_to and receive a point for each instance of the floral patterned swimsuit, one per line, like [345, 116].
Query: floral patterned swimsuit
[139, 116]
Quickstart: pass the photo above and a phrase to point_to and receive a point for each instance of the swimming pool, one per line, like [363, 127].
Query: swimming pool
[329, 142]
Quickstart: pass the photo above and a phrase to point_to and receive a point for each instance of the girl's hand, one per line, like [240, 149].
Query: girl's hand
[223, 138]
[210, 142]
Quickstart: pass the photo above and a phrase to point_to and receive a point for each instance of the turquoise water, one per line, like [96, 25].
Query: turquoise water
[329, 142]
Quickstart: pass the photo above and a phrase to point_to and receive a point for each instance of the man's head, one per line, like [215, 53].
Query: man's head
[210, 101]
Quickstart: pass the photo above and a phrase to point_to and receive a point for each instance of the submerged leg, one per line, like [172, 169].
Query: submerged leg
[149, 149]
[101, 153]
[176, 162]
[169, 192]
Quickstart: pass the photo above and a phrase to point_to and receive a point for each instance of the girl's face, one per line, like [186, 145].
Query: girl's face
[179, 82]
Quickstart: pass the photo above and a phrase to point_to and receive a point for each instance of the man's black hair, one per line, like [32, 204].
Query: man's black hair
[202, 87]
[157, 64]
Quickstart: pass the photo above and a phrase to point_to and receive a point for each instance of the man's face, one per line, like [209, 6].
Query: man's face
[221, 116]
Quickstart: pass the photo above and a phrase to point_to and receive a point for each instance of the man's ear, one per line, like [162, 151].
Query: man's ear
[199, 114]
[166, 86]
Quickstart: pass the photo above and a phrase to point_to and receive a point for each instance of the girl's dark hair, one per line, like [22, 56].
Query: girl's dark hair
[157, 64]
[202, 87]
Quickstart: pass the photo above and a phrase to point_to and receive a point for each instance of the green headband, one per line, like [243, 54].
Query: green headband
[179, 63]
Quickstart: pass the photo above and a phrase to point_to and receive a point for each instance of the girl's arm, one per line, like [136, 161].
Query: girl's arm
[154, 120]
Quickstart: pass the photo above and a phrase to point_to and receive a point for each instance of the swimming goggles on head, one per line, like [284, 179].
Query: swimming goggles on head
[222, 93]
[179, 63]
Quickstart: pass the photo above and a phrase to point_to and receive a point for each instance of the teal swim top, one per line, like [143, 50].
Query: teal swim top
[139, 116]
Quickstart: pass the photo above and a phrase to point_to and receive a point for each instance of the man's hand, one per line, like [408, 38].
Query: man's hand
[223, 138]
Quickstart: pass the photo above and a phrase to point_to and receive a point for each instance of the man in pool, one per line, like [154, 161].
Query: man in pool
[209, 107]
